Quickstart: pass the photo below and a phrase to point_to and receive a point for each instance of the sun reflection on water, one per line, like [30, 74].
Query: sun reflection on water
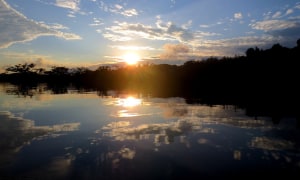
[130, 101]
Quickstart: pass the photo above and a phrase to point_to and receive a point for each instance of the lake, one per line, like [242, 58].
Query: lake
[85, 134]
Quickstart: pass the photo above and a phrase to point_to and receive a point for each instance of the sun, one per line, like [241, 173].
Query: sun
[131, 58]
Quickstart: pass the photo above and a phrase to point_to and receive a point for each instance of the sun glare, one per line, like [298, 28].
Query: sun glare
[131, 58]
[130, 102]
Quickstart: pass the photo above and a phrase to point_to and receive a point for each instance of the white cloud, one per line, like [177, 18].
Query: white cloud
[133, 48]
[54, 26]
[116, 37]
[187, 25]
[129, 12]
[204, 26]
[25, 29]
[200, 34]
[210, 25]
[289, 11]
[97, 22]
[71, 15]
[162, 31]
[238, 16]
[267, 15]
[276, 15]
[118, 9]
[69, 4]
[273, 25]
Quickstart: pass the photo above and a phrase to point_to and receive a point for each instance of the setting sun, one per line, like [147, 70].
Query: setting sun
[131, 58]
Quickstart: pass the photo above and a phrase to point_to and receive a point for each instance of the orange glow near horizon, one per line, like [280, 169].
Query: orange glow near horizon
[131, 58]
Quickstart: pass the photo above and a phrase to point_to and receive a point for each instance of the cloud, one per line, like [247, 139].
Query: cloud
[273, 25]
[205, 26]
[238, 16]
[200, 34]
[203, 44]
[199, 44]
[175, 51]
[130, 12]
[286, 31]
[276, 15]
[210, 25]
[15, 27]
[289, 11]
[97, 22]
[55, 26]
[69, 4]
[203, 48]
[133, 48]
[162, 31]
[187, 25]
[118, 9]
[176, 48]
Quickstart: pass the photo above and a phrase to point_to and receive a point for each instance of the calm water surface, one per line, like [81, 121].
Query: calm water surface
[128, 136]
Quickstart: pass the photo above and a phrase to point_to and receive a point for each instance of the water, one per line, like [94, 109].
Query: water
[89, 135]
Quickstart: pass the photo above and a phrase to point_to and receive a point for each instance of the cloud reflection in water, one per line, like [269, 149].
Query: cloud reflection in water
[180, 120]
[16, 132]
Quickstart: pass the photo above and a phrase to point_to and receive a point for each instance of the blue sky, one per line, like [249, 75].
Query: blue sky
[91, 32]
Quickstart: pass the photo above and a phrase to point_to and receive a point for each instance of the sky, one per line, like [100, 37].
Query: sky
[87, 33]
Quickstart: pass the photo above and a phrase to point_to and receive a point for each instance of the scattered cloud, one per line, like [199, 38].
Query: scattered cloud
[289, 11]
[71, 15]
[55, 26]
[238, 15]
[201, 34]
[133, 48]
[297, 6]
[175, 51]
[97, 22]
[25, 29]
[276, 15]
[210, 25]
[273, 25]
[204, 26]
[162, 31]
[69, 4]
[129, 12]
[187, 25]
[267, 15]
[116, 37]
[118, 9]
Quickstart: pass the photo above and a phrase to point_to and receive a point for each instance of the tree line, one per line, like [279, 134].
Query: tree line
[261, 77]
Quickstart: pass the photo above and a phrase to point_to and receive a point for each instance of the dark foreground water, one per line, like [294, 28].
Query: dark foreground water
[89, 135]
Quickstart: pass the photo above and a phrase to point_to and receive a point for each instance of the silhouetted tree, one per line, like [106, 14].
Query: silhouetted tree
[251, 52]
[59, 71]
[40, 70]
[21, 68]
